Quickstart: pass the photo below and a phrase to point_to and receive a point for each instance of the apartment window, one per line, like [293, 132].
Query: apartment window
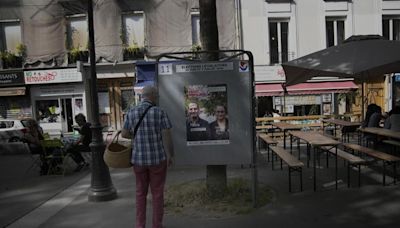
[133, 29]
[77, 32]
[391, 28]
[278, 41]
[10, 36]
[334, 31]
[196, 28]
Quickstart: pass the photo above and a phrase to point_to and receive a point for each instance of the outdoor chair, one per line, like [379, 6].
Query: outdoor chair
[56, 156]
[35, 159]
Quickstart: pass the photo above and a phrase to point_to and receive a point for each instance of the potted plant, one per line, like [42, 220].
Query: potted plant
[21, 50]
[10, 60]
[133, 52]
[195, 48]
[77, 54]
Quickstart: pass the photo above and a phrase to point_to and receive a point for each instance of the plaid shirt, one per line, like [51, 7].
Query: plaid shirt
[147, 147]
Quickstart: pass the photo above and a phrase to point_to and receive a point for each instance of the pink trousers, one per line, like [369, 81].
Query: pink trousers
[153, 176]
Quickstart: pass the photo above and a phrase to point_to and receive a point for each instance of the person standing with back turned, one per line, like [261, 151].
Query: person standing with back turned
[152, 152]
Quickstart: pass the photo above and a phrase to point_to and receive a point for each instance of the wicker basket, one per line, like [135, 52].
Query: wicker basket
[117, 155]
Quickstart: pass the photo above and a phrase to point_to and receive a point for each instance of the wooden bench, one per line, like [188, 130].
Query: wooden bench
[268, 140]
[351, 160]
[395, 144]
[386, 158]
[291, 161]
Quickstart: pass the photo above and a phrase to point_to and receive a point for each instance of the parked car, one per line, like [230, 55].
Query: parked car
[12, 130]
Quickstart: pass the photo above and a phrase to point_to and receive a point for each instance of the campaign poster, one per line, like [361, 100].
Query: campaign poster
[207, 119]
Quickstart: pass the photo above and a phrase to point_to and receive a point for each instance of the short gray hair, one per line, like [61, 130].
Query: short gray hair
[149, 91]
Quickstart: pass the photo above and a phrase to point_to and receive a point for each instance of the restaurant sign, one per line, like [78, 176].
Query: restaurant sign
[52, 76]
[12, 77]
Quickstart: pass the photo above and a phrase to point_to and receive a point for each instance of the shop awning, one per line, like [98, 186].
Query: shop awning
[275, 89]
[266, 90]
[322, 87]
[12, 91]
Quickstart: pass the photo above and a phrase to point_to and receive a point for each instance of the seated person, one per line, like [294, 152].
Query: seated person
[33, 136]
[82, 145]
[392, 122]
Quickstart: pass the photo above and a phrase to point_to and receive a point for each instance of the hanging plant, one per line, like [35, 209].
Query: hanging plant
[77, 54]
[10, 60]
[21, 50]
[133, 52]
[195, 48]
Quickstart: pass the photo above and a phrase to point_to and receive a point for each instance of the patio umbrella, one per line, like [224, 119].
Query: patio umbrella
[360, 57]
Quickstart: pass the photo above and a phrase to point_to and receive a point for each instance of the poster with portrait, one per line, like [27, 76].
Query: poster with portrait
[207, 120]
[326, 109]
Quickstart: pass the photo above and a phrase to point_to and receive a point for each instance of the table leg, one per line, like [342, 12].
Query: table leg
[284, 139]
[298, 147]
[291, 143]
[334, 130]
[315, 170]
[308, 155]
[336, 169]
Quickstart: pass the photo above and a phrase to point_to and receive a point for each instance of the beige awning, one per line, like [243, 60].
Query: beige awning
[12, 91]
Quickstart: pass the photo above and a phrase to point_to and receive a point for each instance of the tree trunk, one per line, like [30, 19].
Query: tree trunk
[208, 28]
[216, 174]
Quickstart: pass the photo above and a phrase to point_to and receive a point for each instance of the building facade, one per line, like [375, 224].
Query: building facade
[288, 29]
[44, 56]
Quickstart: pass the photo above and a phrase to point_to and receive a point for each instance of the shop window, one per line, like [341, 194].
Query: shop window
[104, 108]
[305, 110]
[11, 47]
[278, 41]
[10, 36]
[133, 35]
[48, 111]
[391, 28]
[334, 31]
[77, 38]
[127, 99]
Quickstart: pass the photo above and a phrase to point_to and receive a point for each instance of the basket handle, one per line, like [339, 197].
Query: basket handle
[116, 137]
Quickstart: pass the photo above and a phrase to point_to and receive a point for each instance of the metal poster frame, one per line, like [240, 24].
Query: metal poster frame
[225, 56]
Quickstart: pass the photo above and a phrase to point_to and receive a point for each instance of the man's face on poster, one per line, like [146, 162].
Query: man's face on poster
[193, 110]
[220, 112]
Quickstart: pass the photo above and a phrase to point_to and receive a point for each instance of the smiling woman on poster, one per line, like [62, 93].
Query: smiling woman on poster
[220, 127]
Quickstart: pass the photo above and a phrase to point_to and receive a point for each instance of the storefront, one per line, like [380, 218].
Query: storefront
[314, 98]
[115, 92]
[57, 95]
[14, 98]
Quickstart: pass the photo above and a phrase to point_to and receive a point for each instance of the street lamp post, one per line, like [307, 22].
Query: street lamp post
[101, 188]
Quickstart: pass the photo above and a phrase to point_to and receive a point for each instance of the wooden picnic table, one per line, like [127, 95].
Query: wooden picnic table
[315, 140]
[381, 132]
[286, 127]
[346, 126]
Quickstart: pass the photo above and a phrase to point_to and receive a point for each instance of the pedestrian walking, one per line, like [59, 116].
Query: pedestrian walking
[152, 151]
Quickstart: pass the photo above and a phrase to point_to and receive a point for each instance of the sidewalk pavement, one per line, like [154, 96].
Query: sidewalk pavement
[372, 205]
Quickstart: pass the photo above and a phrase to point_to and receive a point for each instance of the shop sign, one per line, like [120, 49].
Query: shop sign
[52, 76]
[8, 78]
[269, 74]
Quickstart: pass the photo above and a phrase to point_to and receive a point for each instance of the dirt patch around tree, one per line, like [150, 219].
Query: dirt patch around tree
[191, 199]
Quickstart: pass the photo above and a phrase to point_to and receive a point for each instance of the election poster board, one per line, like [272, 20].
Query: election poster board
[210, 108]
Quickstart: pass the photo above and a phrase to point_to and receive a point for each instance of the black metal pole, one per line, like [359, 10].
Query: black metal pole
[101, 188]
